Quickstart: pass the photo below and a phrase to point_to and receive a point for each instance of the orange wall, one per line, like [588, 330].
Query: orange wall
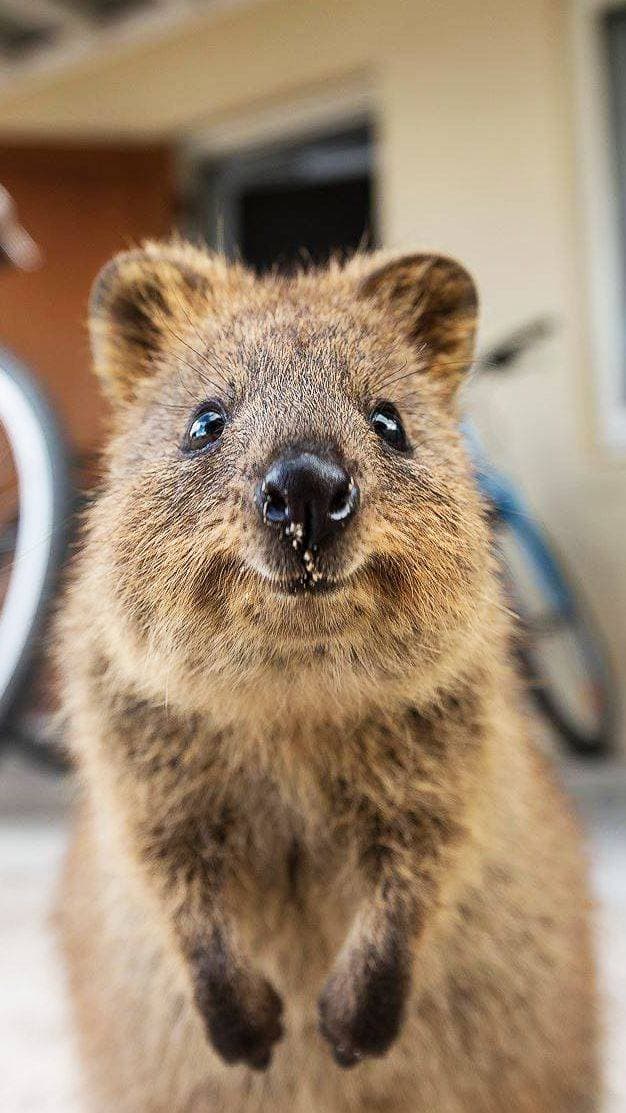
[81, 204]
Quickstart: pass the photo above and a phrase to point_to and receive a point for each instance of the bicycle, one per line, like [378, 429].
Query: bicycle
[35, 503]
[557, 644]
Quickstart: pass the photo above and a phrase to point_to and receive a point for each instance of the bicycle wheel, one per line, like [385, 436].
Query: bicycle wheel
[559, 648]
[34, 502]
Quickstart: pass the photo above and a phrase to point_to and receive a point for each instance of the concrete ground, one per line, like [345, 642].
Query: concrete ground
[39, 1072]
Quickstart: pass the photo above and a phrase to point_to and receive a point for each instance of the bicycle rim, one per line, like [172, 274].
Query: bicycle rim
[34, 502]
[560, 651]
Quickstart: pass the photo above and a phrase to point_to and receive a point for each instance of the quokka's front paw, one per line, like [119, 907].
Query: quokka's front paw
[362, 1006]
[244, 1029]
[242, 1013]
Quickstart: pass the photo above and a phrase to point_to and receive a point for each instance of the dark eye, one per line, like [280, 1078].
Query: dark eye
[385, 421]
[206, 427]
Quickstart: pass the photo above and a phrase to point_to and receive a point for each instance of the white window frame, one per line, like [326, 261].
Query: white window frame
[603, 238]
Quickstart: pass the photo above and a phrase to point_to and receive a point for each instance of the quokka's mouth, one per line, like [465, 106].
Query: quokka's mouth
[310, 581]
[306, 584]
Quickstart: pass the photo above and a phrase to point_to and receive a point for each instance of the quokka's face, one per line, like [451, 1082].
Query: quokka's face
[286, 479]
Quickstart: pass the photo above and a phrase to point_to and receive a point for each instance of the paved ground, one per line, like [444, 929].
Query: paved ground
[38, 1070]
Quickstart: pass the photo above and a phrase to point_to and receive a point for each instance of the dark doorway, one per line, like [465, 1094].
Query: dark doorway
[290, 202]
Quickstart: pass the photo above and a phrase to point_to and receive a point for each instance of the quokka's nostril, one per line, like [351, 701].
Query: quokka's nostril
[344, 502]
[274, 505]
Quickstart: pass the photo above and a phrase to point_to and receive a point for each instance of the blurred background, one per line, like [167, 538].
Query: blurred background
[283, 130]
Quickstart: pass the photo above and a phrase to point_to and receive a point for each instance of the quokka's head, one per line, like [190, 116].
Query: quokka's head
[286, 479]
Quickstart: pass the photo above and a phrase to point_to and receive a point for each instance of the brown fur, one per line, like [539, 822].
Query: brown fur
[314, 831]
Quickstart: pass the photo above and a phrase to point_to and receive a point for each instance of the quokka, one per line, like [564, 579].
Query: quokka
[318, 866]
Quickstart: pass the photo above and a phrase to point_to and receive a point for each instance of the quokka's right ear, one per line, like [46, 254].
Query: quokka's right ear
[141, 302]
[433, 301]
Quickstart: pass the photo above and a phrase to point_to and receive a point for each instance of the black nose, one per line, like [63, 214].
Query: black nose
[309, 496]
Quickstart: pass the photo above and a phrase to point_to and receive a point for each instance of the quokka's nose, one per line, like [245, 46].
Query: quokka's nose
[308, 497]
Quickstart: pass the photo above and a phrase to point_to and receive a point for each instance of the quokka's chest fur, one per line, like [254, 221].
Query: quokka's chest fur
[301, 810]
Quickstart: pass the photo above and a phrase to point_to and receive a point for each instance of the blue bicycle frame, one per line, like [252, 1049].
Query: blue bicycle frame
[500, 493]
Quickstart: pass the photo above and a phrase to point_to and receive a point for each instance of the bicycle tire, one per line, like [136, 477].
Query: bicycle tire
[22, 400]
[595, 745]
[570, 613]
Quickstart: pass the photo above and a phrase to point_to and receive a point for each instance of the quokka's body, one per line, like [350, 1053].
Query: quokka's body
[318, 866]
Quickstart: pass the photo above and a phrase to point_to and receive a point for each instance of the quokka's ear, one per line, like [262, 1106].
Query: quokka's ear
[140, 302]
[434, 301]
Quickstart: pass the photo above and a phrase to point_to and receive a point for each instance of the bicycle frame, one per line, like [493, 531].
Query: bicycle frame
[509, 507]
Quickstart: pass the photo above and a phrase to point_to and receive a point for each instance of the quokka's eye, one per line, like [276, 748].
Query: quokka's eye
[385, 421]
[205, 427]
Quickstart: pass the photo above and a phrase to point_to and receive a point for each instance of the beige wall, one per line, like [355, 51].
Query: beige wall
[473, 104]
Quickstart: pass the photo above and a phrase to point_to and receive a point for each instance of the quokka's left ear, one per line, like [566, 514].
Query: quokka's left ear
[142, 300]
[434, 302]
